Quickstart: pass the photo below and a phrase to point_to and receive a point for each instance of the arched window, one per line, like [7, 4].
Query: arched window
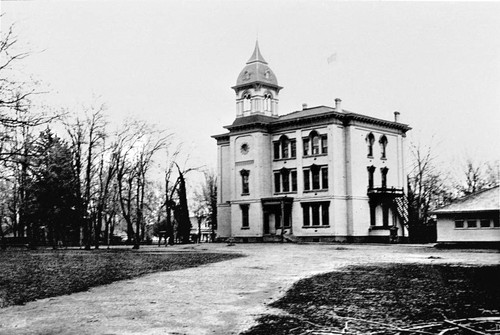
[315, 144]
[383, 146]
[247, 102]
[284, 146]
[383, 172]
[315, 141]
[370, 140]
[267, 102]
[371, 170]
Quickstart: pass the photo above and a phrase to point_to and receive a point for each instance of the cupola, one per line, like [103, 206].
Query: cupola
[256, 88]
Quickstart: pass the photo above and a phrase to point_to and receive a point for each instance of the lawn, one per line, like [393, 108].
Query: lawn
[30, 275]
[380, 298]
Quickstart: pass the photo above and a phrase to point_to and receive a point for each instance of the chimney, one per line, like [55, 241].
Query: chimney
[304, 106]
[396, 116]
[338, 107]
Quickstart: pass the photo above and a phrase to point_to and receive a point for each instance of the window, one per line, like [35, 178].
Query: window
[370, 139]
[247, 102]
[385, 215]
[485, 223]
[245, 223]
[305, 144]
[285, 180]
[315, 144]
[384, 171]
[459, 223]
[285, 148]
[471, 223]
[306, 180]
[383, 146]
[496, 223]
[371, 170]
[324, 144]
[267, 102]
[245, 187]
[316, 178]
[316, 213]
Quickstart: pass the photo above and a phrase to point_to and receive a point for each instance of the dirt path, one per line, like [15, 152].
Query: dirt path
[220, 298]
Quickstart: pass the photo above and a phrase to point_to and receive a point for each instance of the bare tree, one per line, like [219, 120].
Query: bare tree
[476, 176]
[87, 135]
[206, 199]
[427, 188]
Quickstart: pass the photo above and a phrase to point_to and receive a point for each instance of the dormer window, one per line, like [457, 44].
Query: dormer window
[370, 140]
[267, 74]
[383, 146]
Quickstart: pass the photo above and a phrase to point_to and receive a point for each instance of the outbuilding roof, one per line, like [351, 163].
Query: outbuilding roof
[485, 200]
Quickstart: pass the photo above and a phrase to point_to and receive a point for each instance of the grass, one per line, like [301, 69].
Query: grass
[394, 294]
[29, 275]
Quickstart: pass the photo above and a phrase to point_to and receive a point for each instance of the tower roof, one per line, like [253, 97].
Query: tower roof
[256, 70]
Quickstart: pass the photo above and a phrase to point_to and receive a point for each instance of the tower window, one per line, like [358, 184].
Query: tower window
[247, 102]
[245, 186]
[370, 140]
[383, 146]
[267, 102]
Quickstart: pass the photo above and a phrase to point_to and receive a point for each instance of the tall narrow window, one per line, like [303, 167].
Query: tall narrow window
[384, 171]
[324, 144]
[286, 179]
[293, 148]
[324, 178]
[267, 102]
[306, 180]
[371, 170]
[383, 146]
[277, 182]
[325, 217]
[284, 146]
[315, 145]
[315, 171]
[305, 144]
[385, 215]
[247, 102]
[305, 215]
[370, 140]
[276, 147]
[315, 214]
[245, 187]
[294, 181]
[245, 222]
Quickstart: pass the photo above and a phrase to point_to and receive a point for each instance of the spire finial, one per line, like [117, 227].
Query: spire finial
[256, 56]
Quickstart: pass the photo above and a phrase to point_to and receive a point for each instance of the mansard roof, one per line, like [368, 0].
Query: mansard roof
[256, 71]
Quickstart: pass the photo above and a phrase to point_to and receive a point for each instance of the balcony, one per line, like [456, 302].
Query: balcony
[385, 192]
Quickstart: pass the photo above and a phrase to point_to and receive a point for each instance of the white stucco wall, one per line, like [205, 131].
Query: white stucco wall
[446, 232]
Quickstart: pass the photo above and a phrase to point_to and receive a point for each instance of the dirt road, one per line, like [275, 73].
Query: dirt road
[219, 298]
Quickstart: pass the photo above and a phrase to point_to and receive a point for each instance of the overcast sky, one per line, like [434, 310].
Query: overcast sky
[173, 62]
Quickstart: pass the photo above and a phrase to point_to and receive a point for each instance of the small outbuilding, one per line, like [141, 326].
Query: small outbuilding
[473, 219]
